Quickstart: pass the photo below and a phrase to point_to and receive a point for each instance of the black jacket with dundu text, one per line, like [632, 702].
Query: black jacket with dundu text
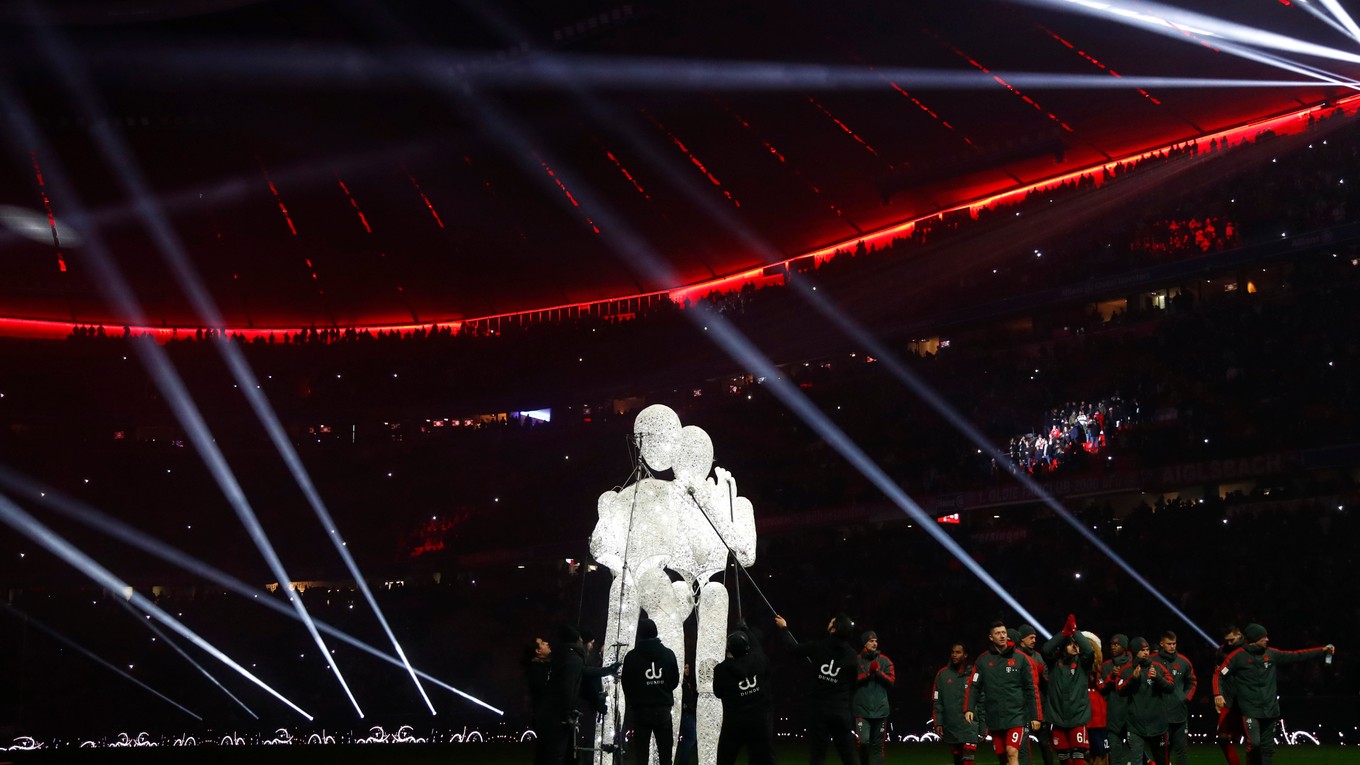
[650, 675]
[835, 671]
[743, 682]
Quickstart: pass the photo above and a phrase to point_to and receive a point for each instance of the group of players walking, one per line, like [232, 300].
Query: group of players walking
[1128, 709]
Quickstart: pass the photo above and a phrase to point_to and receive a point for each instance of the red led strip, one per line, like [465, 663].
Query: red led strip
[47, 206]
[570, 197]
[355, 204]
[424, 198]
[693, 159]
[627, 174]
[845, 128]
[978, 65]
[272, 190]
[1092, 59]
[1290, 123]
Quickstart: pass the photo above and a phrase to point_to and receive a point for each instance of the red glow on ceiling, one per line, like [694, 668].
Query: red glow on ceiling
[1093, 60]
[47, 207]
[355, 204]
[1016, 92]
[272, 190]
[1290, 123]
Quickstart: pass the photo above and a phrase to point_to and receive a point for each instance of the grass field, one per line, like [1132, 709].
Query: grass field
[789, 752]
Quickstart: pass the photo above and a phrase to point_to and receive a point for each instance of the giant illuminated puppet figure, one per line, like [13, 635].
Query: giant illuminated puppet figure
[686, 526]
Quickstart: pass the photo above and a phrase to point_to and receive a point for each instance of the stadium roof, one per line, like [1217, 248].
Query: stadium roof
[328, 163]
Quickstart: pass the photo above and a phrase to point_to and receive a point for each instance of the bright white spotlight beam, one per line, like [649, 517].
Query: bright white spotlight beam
[740, 348]
[84, 514]
[1169, 20]
[1289, 65]
[166, 639]
[638, 253]
[1322, 16]
[116, 289]
[1341, 16]
[927, 394]
[15, 517]
[62, 58]
[724, 216]
[333, 67]
[92, 656]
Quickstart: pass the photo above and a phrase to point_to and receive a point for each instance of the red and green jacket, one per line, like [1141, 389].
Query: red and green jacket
[1252, 672]
[876, 677]
[1116, 707]
[1004, 685]
[1146, 697]
[1184, 675]
[1067, 699]
[950, 687]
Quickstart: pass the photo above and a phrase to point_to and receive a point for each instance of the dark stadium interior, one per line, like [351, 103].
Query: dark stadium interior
[461, 246]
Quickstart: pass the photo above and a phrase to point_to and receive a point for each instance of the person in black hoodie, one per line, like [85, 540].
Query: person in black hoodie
[554, 715]
[834, 667]
[742, 682]
[650, 676]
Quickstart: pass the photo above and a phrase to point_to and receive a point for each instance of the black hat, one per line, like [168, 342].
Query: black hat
[567, 635]
[867, 636]
[1026, 631]
[646, 628]
[1253, 633]
[738, 644]
[1138, 644]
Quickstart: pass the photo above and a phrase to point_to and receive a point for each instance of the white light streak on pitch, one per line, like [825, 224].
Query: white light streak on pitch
[92, 656]
[167, 640]
[89, 516]
[25, 524]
